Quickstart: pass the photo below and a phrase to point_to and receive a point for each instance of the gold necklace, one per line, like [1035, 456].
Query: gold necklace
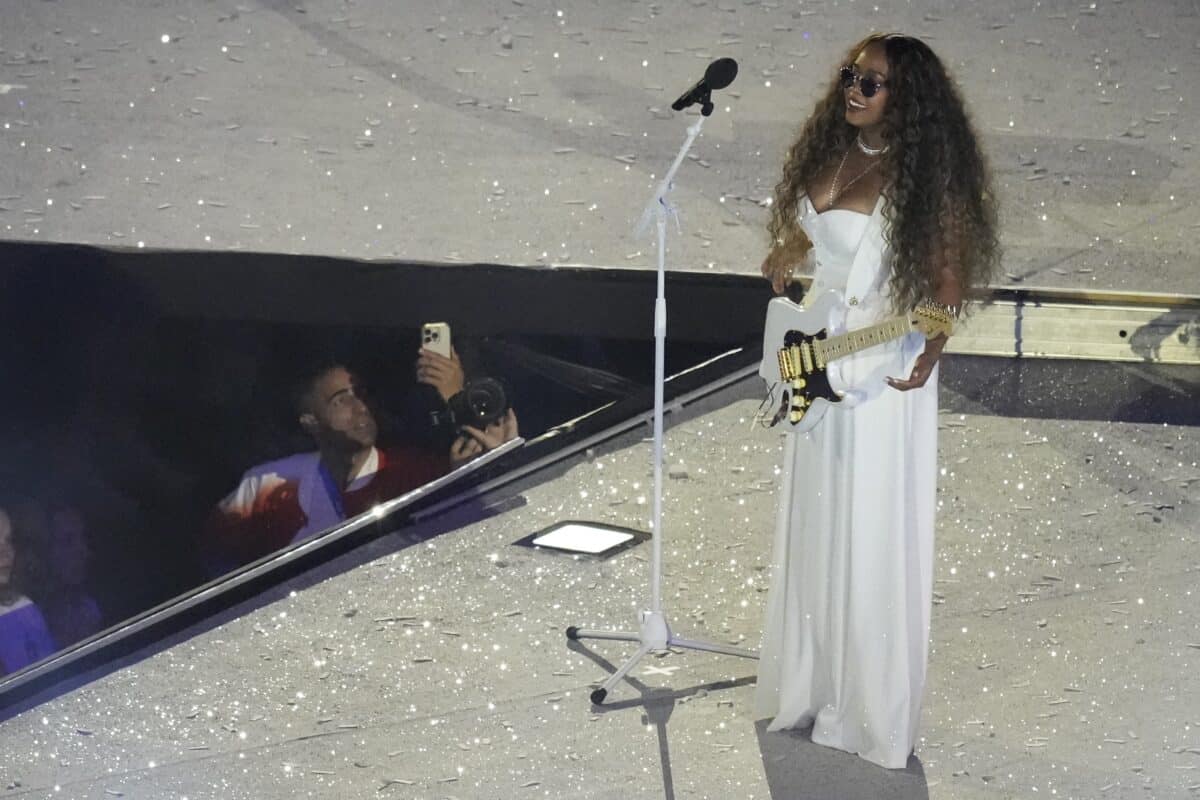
[834, 193]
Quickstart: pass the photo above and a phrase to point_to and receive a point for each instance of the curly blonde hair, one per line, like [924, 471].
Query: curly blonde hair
[938, 199]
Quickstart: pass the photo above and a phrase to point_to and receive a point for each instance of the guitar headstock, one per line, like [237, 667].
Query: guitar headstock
[933, 319]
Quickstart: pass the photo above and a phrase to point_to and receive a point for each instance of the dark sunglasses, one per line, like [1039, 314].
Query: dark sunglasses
[868, 86]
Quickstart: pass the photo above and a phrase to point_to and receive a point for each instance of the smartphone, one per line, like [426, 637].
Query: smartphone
[435, 336]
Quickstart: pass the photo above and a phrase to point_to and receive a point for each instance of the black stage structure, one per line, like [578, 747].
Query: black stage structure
[573, 340]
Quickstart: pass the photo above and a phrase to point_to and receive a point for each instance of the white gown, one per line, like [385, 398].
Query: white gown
[846, 636]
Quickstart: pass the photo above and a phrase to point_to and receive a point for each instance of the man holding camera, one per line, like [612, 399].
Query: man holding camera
[290, 499]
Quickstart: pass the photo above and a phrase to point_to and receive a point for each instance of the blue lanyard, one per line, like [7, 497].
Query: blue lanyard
[333, 490]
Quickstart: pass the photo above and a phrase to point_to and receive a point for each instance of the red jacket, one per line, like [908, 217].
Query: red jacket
[292, 499]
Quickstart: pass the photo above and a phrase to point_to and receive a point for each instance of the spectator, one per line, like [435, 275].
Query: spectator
[24, 637]
[293, 498]
[70, 609]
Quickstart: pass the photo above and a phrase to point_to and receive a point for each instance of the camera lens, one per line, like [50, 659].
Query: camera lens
[480, 404]
[485, 399]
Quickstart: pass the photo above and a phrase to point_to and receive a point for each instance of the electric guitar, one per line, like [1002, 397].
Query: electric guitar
[799, 342]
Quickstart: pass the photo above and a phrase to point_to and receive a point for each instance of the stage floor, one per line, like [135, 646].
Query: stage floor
[1063, 659]
[1066, 630]
[531, 133]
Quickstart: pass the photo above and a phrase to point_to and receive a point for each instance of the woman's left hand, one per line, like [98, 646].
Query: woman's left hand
[923, 367]
[921, 371]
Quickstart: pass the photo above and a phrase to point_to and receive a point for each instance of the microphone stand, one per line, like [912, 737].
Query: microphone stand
[655, 634]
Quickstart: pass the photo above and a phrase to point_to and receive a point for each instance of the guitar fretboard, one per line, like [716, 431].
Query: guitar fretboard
[847, 343]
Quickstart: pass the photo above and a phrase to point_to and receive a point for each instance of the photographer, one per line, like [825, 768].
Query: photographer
[290, 499]
[481, 401]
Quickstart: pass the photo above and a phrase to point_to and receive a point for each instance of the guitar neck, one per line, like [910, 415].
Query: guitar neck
[844, 344]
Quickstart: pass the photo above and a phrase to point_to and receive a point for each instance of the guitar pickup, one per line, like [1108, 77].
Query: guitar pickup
[789, 363]
[806, 355]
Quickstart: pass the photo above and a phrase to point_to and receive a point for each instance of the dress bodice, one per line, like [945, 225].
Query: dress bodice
[836, 235]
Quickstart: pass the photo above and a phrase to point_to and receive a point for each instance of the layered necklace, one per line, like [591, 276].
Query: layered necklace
[834, 192]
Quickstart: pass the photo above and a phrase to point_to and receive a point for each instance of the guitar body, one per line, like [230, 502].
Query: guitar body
[799, 342]
[791, 324]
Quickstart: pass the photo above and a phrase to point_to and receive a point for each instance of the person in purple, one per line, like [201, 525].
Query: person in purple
[71, 611]
[24, 636]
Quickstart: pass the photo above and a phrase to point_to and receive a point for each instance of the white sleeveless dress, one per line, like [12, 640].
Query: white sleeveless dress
[846, 636]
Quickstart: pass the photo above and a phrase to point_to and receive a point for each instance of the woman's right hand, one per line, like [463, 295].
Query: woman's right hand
[777, 271]
[781, 261]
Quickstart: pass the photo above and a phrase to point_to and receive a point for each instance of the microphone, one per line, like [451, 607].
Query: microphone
[719, 74]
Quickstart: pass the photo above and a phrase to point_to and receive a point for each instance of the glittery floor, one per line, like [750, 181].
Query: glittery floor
[1065, 631]
[528, 132]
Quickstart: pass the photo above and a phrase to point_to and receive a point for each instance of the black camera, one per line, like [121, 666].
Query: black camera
[482, 402]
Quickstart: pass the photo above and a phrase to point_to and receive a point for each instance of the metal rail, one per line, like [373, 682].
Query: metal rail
[1040, 322]
[1104, 326]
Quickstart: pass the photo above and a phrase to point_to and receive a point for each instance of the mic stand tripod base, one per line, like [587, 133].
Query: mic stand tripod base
[655, 637]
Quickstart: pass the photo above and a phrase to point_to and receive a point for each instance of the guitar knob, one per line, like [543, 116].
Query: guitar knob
[801, 383]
